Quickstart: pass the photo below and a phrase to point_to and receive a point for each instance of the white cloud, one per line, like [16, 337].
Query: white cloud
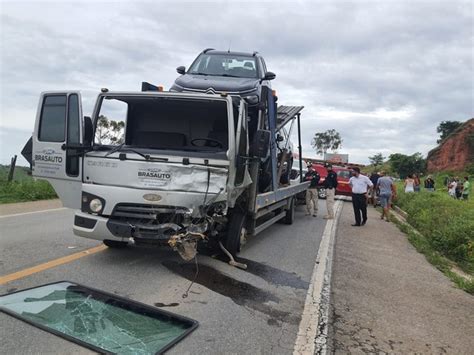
[384, 74]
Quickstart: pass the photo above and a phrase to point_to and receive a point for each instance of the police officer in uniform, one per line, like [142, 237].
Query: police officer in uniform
[330, 184]
[312, 192]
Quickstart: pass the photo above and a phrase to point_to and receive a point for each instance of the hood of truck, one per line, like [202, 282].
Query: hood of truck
[229, 85]
[155, 176]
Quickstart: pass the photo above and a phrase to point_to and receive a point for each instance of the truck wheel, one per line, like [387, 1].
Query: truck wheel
[235, 232]
[115, 244]
[290, 213]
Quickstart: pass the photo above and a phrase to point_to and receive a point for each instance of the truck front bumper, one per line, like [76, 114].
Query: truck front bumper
[95, 227]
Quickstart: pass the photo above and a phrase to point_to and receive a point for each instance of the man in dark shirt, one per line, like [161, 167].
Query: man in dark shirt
[330, 183]
[312, 192]
[373, 193]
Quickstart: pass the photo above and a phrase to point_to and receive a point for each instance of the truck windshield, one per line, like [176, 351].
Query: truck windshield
[163, 123]
[224, 65]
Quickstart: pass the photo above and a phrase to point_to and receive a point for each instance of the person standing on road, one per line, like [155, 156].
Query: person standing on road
[360, 185]
[466, 188]
[386, 188]
[373, 194]
[312, 192]
[330, 184]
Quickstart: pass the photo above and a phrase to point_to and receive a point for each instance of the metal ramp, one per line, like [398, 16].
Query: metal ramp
[285, 114]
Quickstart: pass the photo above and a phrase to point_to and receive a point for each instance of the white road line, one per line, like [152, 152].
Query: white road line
[26, 213]
[308, 329]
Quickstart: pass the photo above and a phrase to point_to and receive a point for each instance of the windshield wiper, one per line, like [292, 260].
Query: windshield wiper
[198, 73]
[145, 156]
[230, 76]
[115, 149]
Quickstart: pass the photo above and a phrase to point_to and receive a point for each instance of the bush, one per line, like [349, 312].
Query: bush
[448, 224]
[27, 190]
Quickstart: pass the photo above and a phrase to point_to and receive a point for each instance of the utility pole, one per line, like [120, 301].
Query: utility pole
[12, 168]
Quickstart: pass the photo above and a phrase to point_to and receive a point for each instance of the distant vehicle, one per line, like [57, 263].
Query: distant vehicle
[233, 73]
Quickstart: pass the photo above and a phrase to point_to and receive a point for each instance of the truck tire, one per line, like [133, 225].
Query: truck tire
[234, 232]
[290, 213]
[115, 244]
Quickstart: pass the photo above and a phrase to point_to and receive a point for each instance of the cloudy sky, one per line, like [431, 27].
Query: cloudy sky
[382, 73]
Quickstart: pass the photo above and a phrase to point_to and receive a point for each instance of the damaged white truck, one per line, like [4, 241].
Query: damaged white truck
[166, 168]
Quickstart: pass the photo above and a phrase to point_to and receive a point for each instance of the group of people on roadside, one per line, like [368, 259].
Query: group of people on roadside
[457, 188]
[330, 184]
[367, 190]
[363, 189]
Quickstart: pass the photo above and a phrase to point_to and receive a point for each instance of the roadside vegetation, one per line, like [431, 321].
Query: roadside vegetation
[446, 229]
[23, 187]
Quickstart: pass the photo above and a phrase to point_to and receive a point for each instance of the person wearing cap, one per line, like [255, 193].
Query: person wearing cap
[330, 184]
[312, 192]
[360, 185]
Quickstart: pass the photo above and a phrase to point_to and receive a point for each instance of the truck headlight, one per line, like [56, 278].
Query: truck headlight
[92, 203]
[252, 99]
[96, 205]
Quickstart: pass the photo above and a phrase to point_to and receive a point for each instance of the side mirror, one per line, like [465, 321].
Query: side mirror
[261, 144]
[269, 76]
[181, 70]
[280, 138]
[88, 131]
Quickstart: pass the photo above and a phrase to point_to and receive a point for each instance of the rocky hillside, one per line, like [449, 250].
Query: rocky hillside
[455, 152]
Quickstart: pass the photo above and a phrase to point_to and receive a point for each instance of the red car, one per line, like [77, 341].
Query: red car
[343, 176]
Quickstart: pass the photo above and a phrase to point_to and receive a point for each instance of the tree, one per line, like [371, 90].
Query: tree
[446, 128]
[407, 164]
[109, 131]
[377, 159]
[323, 141]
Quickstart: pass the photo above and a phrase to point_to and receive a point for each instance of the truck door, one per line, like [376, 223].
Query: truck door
[59, 123]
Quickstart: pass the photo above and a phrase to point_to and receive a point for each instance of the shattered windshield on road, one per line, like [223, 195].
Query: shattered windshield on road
[101, 321]
[162, 123]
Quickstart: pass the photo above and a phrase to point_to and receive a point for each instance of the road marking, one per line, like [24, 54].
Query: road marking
[50, 264]
[25, 213]
[310, 319]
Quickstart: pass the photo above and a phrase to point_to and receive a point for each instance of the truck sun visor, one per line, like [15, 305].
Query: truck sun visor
[98, 320]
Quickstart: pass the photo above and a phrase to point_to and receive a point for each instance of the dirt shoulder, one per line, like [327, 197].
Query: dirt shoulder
[33, 206]
[387, 298]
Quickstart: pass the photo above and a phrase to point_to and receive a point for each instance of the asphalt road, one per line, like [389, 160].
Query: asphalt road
[256, 311]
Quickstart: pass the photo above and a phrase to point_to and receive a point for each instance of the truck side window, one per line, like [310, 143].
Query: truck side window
[53, 119]
[73, 135]
[73, 130]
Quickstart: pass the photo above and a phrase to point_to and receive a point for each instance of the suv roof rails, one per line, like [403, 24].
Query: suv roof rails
[254, 54]
[207, 50]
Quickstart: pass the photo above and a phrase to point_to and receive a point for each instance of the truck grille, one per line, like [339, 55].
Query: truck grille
[143, 211]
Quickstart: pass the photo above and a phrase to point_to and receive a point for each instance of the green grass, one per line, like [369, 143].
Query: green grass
[446, 226]
[23, 187]
[423, 246]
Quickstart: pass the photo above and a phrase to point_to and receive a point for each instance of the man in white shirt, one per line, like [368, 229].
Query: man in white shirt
[360, 185]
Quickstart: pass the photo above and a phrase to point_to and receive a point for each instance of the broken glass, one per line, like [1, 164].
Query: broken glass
[98, 320]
